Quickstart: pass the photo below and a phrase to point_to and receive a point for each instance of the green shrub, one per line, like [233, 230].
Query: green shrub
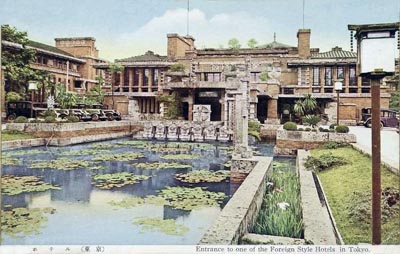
[73, 119]
[331, 130]
[50, 113]
[323, 162]
[333, 145]
[312, 120]
[332, 126]
[300, 129]
[255, 134]
[12, 132]
[36, 120]
[50, 119]
[290, 126]
[254, 125]
[342, 129]
[13, 96]
[178, 67]
[323, 130]
[308, 129]
[314, 130]
[21, 119]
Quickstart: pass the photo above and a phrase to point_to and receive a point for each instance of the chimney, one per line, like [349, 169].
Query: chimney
[303, 38]
[177, 45]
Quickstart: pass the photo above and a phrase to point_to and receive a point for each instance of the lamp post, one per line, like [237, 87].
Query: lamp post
[376, 54]
[32, 86]
[338, 88]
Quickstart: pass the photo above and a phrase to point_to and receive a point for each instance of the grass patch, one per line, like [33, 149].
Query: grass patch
[8, 135]
[342, 181]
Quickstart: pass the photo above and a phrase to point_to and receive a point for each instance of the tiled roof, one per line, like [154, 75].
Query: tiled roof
[336, 52]
[149, 56]
[274, 45]
[46, 47]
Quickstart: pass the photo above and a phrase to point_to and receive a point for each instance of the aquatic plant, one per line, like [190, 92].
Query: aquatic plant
[128, 202]
[180, 156]
[60, 163]
[24, 152]
[14, 185]
[85, 152]
[135, 143]
[96, 167]
[8, 161]
[161, 165]
[199, 176]
[191, 198]
[127, 156]
[155, 200]
[20, 222]
[106, 146]
[169, 226]
[281, 213]
[116, 180]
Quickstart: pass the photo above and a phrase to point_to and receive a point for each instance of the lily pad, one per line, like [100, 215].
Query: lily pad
[169, 226]
[106, 146]
[191, 198]
[8, 161]
[116, 180]
[200, 176]
[21, 222]
[161, 165]
[96, 167]
[127, 156]
[60, 163]
[135, 143]
[25, 152]
[14, 185]
[180, 156]
[155, 200]
[128, 202]
[85, 152]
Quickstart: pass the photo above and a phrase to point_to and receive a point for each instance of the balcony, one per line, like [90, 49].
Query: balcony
[201, 84]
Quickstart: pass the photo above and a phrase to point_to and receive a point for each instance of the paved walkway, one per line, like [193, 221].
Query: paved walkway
[389, 143]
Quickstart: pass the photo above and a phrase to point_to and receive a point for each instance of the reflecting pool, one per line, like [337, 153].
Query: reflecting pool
[110, 193]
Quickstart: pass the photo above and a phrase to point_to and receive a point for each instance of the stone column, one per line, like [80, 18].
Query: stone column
[272, 108]
[130, 72]
[141, 70]
[190, 102]
[121, 81]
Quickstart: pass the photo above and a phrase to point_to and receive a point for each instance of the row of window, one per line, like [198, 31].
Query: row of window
[340, 74]
[145, 78]
[289, 90]
[55, 63]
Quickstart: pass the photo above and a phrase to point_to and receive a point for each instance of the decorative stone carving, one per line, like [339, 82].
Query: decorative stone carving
[209, 132]
[160, 131]
[172, 131]
[197, 132]
[201, 113]
[147, 130]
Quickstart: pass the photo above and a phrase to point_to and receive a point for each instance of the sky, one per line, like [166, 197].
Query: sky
[127, 28]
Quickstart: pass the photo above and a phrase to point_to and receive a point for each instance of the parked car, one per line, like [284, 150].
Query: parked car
[28, 109]
[110, 114]
[389, 118]
[83, 115]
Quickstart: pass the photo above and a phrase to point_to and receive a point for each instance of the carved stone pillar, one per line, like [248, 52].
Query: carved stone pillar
[141, 70]
[130, 72]
[121, 81]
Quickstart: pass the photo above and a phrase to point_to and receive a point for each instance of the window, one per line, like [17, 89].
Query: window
[352, 76]
[146, 80]
[316, 90]
[255, 76]
[328, 76]
[155, 78]
[340, 72]
[212, 77]
[316, 79]
[77, 84]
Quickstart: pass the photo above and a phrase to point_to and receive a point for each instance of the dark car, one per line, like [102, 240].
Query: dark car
[389, 118]
[83, 115]
[95, 114]
[111, 114]
[25, 108]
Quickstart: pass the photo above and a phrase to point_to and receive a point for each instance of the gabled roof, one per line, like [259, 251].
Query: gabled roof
[149, 56]
[46, 47]
[336, 52]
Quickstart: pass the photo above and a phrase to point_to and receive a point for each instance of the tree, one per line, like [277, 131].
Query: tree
[63, 98]
[309, 103]
[17, 62]
[264, 76]
[177, 67]
[115, 68]
[252, 43]
[234, 44]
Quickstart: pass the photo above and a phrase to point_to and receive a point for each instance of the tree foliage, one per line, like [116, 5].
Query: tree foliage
[177, 67]
[305, 106]
[252, 43]
[234, 44]
[17, 61]
[64, 98]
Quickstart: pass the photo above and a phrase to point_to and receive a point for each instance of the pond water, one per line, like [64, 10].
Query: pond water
[96, 194]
